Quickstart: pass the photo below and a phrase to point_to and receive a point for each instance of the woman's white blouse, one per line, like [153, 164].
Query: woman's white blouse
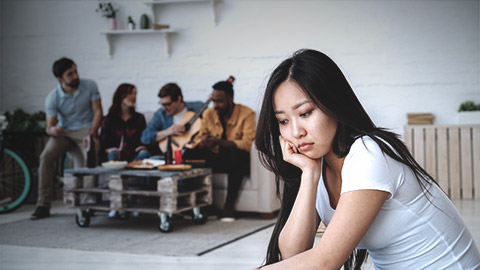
[410, 232]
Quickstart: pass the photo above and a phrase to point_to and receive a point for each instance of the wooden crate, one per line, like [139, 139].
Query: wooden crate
[420, 118]
[450, 154]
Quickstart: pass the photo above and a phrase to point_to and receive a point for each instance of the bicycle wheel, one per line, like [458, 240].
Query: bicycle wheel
[15, 181]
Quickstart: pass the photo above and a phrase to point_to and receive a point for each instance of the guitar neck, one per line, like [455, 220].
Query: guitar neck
[197, 114]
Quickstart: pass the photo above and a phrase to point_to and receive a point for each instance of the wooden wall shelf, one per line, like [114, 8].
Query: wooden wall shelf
[167, 32]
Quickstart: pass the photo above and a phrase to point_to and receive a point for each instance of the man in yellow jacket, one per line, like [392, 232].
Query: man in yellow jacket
[224, 140]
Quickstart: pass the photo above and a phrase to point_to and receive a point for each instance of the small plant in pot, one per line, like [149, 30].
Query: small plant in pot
[131, 23]
[469, 113]
[468, 106]
[108, 11]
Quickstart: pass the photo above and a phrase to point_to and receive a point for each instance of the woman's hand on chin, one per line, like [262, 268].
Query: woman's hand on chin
[294, 157]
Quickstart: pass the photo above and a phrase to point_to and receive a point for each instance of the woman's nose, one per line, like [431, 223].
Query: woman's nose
[297, 130]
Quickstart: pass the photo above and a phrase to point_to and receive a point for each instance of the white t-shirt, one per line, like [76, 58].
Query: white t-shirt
[409, 232]
[178, 117]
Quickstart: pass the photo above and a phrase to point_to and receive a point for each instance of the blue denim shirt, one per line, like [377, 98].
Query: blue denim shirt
[73, 112]
[161, 120]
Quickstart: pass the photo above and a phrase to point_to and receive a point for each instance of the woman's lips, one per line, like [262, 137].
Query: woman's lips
[305, 147]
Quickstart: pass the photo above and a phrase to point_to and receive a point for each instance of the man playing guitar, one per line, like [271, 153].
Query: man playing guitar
[167, 120]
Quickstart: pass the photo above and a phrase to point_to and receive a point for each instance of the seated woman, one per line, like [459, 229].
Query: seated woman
[122, 128]
[359, 179]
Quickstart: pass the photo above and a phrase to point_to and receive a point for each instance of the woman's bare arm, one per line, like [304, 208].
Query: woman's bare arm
[299, 231]
[355, 213]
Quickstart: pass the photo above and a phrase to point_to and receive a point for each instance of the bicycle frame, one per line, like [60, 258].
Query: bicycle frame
[2, 128]
[11, 203]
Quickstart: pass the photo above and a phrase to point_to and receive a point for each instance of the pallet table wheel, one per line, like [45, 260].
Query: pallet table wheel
[165, 223]
[198, 216]
[82, 218]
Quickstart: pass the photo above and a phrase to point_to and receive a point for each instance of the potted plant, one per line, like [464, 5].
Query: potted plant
[22, 122]
[469, 113]
[131, 23]
[107, 10]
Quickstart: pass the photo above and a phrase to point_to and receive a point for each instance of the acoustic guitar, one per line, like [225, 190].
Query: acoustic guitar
[192, 125]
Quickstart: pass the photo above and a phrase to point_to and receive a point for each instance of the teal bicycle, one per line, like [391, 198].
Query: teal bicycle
[15, 177]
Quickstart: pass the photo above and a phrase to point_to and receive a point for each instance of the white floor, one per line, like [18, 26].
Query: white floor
[246, 253]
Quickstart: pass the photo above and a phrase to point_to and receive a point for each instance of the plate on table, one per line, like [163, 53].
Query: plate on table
[174, 167]
[140, 165]
[114, 165]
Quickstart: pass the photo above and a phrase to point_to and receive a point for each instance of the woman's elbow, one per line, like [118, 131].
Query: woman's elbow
[288, 251]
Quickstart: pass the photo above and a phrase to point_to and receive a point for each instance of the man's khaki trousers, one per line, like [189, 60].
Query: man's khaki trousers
[70, 142]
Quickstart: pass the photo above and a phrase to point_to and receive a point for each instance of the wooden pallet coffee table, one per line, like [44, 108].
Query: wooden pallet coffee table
[163, 193]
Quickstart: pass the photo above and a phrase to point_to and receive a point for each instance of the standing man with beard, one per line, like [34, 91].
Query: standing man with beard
[74, 113]
[225, 140]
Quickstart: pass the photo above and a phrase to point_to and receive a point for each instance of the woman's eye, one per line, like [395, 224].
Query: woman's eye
[306, 114]
[282, 122]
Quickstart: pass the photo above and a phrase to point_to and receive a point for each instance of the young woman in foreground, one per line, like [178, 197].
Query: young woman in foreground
[360, 180]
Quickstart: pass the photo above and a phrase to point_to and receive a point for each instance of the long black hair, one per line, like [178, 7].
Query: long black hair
[323, 82]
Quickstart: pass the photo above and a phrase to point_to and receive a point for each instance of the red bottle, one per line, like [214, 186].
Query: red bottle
[178, 156]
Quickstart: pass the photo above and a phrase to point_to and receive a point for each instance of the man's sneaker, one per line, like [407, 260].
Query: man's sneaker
[227, 215]
[227, 219]
[40, 212]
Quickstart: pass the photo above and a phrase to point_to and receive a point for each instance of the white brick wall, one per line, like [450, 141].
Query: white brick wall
[400, 56]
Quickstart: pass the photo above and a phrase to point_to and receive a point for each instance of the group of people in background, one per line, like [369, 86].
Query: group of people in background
[75, 122]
